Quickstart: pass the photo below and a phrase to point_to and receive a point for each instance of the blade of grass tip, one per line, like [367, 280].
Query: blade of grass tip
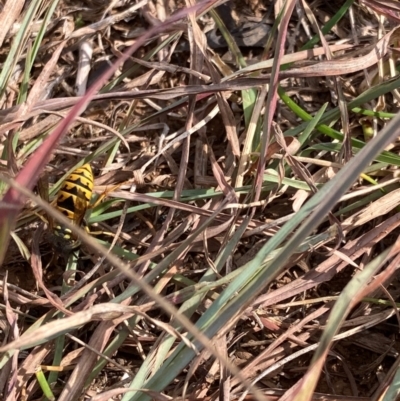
[44, 385]
[272, 97]
[72, 265]
[6, 226]
[302, 139]
[249, 96]
[147, 57]
[23, 88]
[42, 31]
[233, 47]
[312, 125]
[252, 139]
[271, 35]
[342, 12]
[347, 300]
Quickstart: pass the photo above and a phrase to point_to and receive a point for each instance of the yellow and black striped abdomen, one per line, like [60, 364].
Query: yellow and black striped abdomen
[75, 194]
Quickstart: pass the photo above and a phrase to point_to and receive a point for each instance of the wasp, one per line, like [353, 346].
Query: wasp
[72, 200]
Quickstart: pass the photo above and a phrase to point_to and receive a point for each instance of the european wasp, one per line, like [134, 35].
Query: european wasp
[73, 200]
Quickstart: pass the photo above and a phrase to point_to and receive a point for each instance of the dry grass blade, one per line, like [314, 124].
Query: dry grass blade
[101, 312]
[8, 17]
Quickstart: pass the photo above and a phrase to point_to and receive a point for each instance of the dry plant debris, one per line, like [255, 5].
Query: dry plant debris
[245, 245]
